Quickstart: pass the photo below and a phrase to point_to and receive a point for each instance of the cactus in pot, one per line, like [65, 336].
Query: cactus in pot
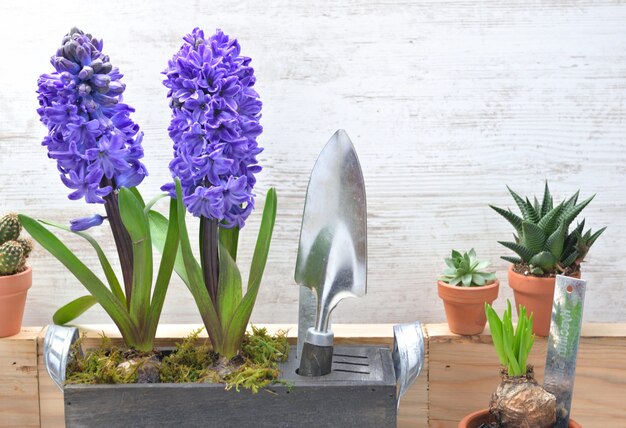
[13, 250]
[15, 276]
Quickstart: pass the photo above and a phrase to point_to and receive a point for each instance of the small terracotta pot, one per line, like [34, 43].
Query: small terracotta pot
[13, 289]
[465, 306]
[474, 420]
[536, 294]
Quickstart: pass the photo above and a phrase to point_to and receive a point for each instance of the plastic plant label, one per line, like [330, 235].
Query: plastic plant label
[567, 314]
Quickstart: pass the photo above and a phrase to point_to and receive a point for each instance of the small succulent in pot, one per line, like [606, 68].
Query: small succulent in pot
[465, 286]
[519, 401]
[465, 270]
[14, 251]
[542, 240]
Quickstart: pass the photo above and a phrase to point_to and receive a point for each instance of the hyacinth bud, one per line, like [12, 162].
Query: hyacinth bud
[86, 73]
[64, 64]
[106, 68]
[96, 65]
[77, 103]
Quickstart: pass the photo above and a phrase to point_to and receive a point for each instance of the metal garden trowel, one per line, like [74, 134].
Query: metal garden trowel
[332, 256]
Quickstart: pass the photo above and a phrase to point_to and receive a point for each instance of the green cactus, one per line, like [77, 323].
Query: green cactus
[27, 246]
[11, 258]
[10, 228]
[13, 250]
[542, 238]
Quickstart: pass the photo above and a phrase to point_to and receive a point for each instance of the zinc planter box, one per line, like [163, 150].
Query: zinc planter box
[359, 392]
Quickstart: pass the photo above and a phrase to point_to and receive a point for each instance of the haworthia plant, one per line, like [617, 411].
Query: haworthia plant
[542, 238]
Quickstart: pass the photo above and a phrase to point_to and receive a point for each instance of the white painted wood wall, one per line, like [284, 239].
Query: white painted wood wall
[446, 102]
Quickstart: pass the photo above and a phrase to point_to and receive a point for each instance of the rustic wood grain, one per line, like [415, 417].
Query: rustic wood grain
[463, 372]
[19, 393]
[446, 102]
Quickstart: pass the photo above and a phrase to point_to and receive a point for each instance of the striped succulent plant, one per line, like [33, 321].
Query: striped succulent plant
[542, 236]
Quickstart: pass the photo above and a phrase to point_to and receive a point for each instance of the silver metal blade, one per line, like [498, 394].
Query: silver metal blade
[332, 255]
[567, 316]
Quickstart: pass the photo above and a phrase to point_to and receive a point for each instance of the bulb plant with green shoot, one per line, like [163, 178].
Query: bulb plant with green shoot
[519, 401]
[542, 240]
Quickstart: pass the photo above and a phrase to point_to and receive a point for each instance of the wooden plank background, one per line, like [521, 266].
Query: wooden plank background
[19, 386]
[446, 102]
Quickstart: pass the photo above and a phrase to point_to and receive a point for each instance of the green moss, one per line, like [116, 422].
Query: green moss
[192, 360]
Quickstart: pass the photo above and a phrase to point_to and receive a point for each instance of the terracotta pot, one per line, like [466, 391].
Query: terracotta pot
[13, 289]
[474, 420]
[465, 306]
[536, 294]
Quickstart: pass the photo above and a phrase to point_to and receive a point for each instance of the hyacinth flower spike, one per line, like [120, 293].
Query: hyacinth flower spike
[97, 149]
[96, 145]
[214, 127]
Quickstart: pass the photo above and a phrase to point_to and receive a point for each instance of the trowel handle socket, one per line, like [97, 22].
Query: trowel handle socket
[315, 360]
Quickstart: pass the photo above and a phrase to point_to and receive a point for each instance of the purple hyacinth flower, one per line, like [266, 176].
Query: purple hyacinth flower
[214, 126]
[85, 223]
[90, 133]
[206, 202]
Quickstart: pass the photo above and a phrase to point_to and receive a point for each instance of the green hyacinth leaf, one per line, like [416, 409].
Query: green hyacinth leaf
[106, 299]
[229, 286]
[237, 327]
[230, 240]
[73, 309]
[199, 291]
[109, 273]
[533, 237]
[168, 260]
[158, 231]
[136, 223]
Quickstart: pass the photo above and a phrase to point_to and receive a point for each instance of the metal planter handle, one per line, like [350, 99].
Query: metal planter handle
[408, 354]
[56, 351]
